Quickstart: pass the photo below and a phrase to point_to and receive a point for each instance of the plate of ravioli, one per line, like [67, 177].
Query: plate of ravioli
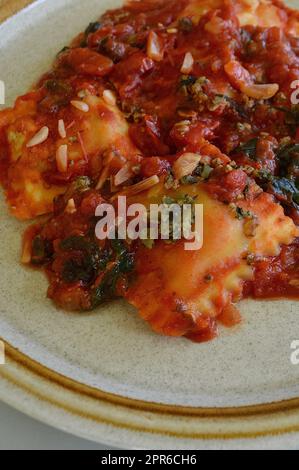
[114, 112]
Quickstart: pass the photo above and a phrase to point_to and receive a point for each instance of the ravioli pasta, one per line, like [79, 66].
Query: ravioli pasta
[33, 178]
[178, 290]
[164, 100]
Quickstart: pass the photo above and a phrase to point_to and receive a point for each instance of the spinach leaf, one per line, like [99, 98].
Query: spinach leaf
[288, 157]
[291, 115]
[186, 81]
[285, 152]
[92, 28]
[249, 148]
[286, 191]
[79, 185]
[89, 259]
[42, 250]
[123, 265]
[78, 270]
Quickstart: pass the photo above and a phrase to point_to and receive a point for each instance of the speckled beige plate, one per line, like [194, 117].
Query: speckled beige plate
[105, 376]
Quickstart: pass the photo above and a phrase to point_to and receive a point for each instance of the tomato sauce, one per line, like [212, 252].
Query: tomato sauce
[276, 277]
[138, 51]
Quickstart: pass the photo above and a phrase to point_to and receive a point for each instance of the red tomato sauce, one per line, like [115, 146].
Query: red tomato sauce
[276, 277]
[171, 112]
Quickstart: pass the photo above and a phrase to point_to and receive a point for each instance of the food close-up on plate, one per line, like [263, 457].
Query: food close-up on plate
[149, 171]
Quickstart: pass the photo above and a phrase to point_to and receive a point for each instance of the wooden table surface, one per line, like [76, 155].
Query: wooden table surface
[9, 7]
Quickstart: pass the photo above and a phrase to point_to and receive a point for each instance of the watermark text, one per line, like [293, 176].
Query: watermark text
[166, 221]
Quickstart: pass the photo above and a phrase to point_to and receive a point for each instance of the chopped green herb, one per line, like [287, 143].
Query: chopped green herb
[189, 179]
[92, 28]
[175, 227]
[286, 190]
[286, 151]
[86, 261]
[203, 171]
[206, 171]
[167, 200]
[185, 24]
[291, 115]
[82, 183]
[170, 182]
[242, 214]
[236, 106]
[180, 200]
[124, 264]
[296, 198]
[288, 157]
[187, 80]
[249, 148]
[263, 175]
[64, 49]
[79, 185]
[42, 250]
[58, 87]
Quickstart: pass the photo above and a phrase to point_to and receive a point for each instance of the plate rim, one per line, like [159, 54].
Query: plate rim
[270, 418]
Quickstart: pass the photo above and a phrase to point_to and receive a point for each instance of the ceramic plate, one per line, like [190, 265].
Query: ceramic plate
[105, 376]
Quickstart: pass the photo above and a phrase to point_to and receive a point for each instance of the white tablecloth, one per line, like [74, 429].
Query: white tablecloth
[19, 432]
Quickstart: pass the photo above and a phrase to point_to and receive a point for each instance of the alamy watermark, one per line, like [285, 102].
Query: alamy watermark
[295, 93]
[169, 220]
[295, 354]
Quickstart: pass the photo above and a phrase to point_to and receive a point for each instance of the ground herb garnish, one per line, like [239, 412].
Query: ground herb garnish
[172, 228]
[234, 105]
[242, 214]
[187, 80]
[189, 179]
